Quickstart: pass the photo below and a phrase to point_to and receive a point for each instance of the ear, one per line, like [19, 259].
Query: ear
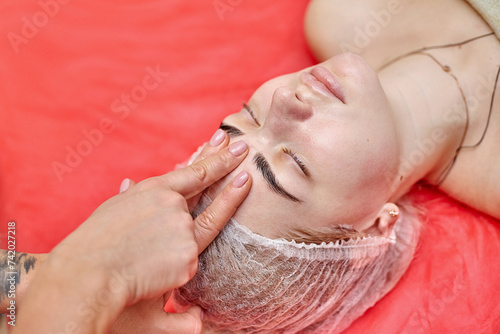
[384, 223]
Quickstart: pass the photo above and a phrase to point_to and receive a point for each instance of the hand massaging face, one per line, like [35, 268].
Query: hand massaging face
[334, 120]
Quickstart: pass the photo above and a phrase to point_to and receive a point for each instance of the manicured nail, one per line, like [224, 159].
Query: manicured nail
[240, 179]
[217, 138]
[125, 185]
[238, 148]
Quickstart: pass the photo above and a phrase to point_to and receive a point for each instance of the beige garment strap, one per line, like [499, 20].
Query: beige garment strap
[490, 11]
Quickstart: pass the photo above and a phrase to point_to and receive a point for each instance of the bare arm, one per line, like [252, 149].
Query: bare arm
[135, 246]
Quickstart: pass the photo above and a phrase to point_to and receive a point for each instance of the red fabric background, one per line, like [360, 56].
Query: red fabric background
[63, 73]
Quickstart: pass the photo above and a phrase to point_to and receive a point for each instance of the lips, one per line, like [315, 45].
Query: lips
[324, 82]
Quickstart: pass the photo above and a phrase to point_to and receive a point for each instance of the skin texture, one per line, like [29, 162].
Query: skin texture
[397, 113]
[415, 105]
[132, 251]
[350, 150]
[24, 267]
[421, 91]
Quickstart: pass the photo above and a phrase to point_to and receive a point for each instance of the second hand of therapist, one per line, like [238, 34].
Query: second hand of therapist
[145, 234]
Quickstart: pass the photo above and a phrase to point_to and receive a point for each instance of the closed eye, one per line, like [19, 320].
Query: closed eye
[299, 162]
[252, 113]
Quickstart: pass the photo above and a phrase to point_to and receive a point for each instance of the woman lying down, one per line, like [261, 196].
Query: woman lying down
[324, 233]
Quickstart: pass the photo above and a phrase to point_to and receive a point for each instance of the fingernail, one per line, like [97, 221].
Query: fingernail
[238, 148]
[217, 138]
[202, 315]
[125, 185]
[240, 179]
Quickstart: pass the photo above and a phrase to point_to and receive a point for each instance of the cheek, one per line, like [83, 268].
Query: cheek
[354, 173]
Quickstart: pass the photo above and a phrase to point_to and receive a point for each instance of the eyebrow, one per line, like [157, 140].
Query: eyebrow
[232, 131]
[263, 166]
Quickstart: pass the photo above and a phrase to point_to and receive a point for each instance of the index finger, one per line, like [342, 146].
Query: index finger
[193, 179]
[210, 222]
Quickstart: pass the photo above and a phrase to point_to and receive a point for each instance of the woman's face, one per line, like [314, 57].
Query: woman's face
[323, 149]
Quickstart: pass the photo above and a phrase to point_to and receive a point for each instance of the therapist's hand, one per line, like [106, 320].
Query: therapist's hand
[153, 235]
[137, 245]
[149, 316]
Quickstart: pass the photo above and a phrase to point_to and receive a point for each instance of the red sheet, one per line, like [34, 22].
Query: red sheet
[94, 91]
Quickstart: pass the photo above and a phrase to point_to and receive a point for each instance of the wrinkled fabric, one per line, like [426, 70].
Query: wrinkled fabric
[252, 284]
[66, 74]
[490, 11]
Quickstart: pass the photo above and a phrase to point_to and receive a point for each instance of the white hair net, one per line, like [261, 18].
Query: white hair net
[249, 283]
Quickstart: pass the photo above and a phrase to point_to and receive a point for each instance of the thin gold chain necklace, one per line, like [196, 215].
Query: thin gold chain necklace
[448, 70]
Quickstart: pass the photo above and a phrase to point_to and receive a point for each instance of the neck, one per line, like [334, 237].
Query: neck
[420, 93]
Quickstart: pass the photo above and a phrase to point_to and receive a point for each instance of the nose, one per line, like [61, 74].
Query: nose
[287, 110]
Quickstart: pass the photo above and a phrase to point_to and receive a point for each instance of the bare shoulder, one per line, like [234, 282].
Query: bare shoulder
[379, 30]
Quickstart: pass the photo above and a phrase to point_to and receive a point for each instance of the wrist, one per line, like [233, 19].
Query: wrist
[23, 266]
[71, 293]
[100, 284]
[94, 269]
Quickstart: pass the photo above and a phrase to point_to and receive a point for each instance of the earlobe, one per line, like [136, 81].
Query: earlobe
[386, 219]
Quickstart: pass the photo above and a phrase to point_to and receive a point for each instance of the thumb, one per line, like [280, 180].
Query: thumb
[179, 323]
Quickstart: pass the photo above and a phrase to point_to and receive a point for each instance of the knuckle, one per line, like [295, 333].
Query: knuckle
[193, 262]
[171, 199]
[205, 221]
[190, 262]
[176, 199]
[201, 156]
[193, 268]
[200, 171]
[225, 159]
[227, 199]
[187, 223]
[192, 254]
[206, 152]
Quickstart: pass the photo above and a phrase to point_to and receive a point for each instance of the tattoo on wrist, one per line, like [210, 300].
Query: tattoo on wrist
[22, 262]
